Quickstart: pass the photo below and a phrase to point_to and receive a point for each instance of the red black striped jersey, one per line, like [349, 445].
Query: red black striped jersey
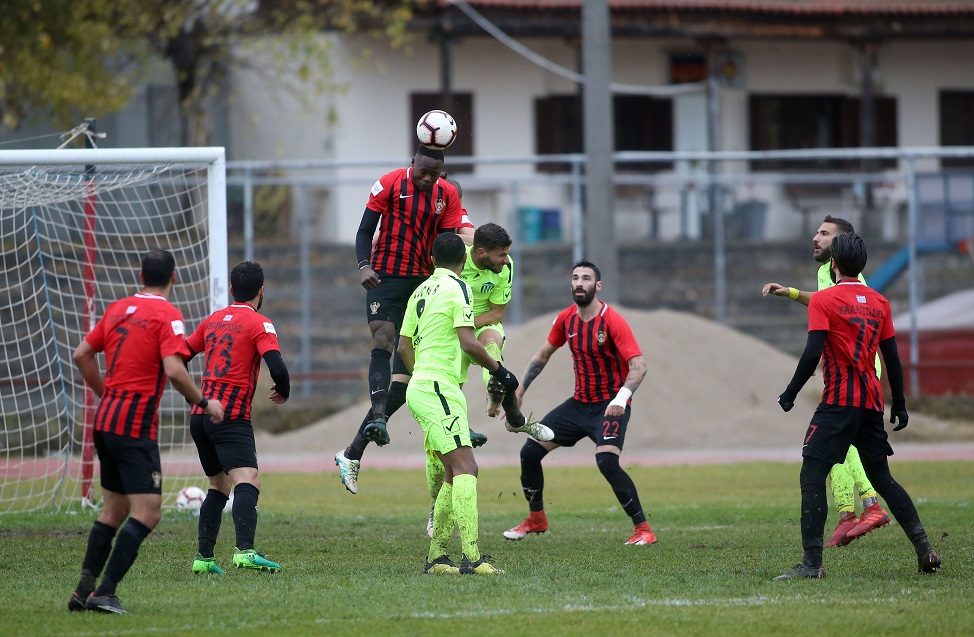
[136, 333]
[234, 339]
[601, 349]
[857, 319]
[411, 219]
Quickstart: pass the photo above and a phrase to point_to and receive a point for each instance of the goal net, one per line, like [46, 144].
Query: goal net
[74, 226]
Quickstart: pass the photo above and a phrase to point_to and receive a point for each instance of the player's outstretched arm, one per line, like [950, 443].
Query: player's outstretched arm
[534, 367]
[806, 367]
[176, 373]
[84, 360]
[776, 289]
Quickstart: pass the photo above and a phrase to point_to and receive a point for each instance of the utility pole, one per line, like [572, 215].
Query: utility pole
[599, 223]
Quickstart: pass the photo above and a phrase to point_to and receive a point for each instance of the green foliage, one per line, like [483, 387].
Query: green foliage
[77, 58]
[64, 59]
[352, 564]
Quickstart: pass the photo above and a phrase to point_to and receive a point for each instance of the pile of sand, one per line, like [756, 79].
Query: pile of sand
[708, 388]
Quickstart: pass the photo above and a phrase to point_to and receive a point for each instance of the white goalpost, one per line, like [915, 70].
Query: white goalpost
[74, 225]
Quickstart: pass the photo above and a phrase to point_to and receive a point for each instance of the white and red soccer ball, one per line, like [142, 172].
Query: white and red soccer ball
[190, 499]
[436, 129]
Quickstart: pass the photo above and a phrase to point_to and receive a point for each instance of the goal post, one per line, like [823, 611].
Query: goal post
[74, 225]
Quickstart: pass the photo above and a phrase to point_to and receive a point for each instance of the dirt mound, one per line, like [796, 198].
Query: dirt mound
[709, 387]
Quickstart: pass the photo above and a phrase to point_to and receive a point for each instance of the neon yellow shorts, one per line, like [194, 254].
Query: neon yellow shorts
[466, 361]
[440, 408]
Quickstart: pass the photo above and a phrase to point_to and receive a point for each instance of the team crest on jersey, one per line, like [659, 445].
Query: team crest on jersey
[374, 307]
[487, 288]
[600, 337]
[439, 206]
[156, 479]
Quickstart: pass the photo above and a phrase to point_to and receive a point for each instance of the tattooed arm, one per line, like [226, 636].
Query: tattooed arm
[535, 365]
[637, 372]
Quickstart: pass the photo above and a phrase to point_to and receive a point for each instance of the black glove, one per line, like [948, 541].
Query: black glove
[505, 378]
[786, 400]
[898, 413]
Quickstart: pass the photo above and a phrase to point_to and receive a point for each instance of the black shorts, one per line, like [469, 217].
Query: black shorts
[223, 446]
[573, 420]
[128, 465]
[834, 427]
[387, 302]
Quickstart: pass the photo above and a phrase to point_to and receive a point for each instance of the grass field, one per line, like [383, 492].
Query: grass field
[352, 564]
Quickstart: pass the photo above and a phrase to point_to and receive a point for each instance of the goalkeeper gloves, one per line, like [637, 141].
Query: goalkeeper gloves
[507, 380]
[786, 400]
[898, 413]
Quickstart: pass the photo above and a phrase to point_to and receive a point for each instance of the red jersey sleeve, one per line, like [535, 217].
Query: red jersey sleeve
[381, 191]
[172, 334]
[622, 336]
[818, 316]
[557, 337]
[197, 340]
[886, 329]
[265, 336]
[96, 337]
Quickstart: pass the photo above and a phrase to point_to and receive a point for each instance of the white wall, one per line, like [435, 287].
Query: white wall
[373, 119]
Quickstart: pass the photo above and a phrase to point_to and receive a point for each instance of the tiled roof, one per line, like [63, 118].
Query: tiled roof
[809, 7]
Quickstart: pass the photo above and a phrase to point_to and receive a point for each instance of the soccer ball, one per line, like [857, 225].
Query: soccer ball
[436, 129]
[190, 499]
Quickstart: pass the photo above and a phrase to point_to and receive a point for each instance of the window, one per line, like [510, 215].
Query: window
[783, 122]
[461, 107]
[640, 123]
[688, 67]
[957, 125]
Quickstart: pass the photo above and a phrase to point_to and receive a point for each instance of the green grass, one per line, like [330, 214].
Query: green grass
[352, 564]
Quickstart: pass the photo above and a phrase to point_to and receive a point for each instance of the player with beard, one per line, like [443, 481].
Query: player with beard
[609, 367]
[413, 205]
[234, 339]
[848, 324]
[848, 477]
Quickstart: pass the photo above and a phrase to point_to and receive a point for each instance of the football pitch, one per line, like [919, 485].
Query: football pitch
[352, 564]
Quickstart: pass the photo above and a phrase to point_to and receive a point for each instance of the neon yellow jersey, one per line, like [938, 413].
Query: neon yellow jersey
[825, 281]
[439, 305]
[488, 286]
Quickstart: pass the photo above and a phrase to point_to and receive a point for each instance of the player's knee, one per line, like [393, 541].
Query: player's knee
[532, 453]
[878, 473]
[608, 463]
[813, 472]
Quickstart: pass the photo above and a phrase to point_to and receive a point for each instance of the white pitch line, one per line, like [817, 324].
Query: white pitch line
[635, 604]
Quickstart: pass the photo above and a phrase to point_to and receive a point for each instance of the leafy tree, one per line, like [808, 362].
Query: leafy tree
[85, 56]
[59, 58]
